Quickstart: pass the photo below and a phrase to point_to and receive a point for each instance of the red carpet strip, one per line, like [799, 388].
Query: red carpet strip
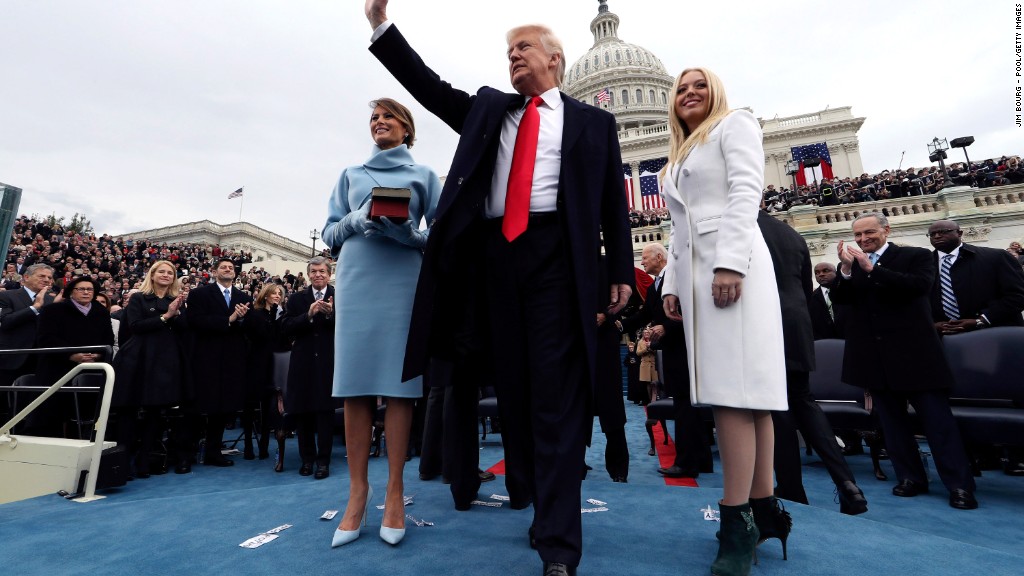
[667, 457]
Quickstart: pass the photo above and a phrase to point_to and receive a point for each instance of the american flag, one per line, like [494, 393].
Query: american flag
[819, 150]
[627, 174]
[603, 97]
[236, 194]
[650, 189]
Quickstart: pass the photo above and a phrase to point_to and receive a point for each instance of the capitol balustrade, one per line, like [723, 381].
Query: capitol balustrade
[654, 130]
[957, 202]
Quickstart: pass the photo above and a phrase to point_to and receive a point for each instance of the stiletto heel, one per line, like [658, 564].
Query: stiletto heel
[772, 521]
[391, 535]
[851, 498]
[342, 537]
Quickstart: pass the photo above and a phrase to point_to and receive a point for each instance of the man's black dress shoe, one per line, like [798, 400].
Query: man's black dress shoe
[674, 471]
[306, 469]
[620, 479]
[909, 489]
[962, 499]
[183, 467]
[428, 477]
[321, 473]
[558, 569]
[485, 476]
[221, 462]
[516, 504]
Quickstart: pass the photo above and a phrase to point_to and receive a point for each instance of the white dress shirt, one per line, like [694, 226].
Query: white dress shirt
[548, 165]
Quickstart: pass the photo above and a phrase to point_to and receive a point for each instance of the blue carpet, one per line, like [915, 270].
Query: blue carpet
[193, 524]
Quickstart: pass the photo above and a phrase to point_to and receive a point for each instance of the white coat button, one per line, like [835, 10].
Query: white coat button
[686, 172]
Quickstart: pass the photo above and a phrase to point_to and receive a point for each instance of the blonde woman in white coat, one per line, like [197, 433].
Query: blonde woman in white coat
[720, 283]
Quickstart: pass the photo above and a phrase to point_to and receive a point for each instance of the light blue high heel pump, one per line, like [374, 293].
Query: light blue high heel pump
[342, 537]
[391, 535]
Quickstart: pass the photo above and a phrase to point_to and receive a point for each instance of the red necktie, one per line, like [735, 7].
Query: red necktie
[520, 177]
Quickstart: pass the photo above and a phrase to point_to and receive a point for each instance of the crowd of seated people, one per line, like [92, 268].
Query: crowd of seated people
[898, 183]
[118, 264]
[649, 217]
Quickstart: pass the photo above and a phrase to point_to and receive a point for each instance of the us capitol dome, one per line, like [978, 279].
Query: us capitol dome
[627, 80]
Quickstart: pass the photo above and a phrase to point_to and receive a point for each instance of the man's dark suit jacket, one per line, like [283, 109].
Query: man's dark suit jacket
[653, 313]
[219, 349]
[823, 324]
[792, 262]
[18, 326]
[311, 369]
[985, 281]
[891, 342]
[591, 202]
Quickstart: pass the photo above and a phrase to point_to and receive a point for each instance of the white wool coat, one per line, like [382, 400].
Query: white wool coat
[736, 355]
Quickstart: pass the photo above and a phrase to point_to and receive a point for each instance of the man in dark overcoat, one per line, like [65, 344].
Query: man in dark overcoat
[19, 320]
[893, 351]
[986, 288]
[540, 283]
[828, 319]
[309, 325]
[693, 452]
[216, 312]
[792, 262]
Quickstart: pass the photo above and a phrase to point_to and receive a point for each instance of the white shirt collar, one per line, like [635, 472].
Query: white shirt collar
[552, 98]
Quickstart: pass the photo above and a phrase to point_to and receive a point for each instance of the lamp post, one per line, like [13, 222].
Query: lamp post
[792, 167]
[315, 235]
[963, 142]
[937, 153]
[811, 163]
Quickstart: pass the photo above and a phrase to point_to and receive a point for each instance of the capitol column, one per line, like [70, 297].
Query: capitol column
[634, 169]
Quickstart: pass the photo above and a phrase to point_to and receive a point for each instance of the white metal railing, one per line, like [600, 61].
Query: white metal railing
[100, 426]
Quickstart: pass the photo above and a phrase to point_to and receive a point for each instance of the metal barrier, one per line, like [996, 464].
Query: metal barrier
[6, 438]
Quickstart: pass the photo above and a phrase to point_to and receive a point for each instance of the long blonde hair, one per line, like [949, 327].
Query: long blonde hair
[681, 140]
[147, 284]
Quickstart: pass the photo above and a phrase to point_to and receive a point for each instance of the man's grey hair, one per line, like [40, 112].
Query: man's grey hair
[31, 270]
[882, 220]
[318, 261]
[658, 250]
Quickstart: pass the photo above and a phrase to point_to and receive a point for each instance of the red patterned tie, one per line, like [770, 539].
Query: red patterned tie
[520, 177]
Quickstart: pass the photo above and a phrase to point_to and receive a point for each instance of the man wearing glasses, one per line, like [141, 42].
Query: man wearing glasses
[893, 351]
[986, 286]
[977, 288]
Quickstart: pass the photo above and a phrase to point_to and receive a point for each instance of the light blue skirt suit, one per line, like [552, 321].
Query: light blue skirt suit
[376, 278]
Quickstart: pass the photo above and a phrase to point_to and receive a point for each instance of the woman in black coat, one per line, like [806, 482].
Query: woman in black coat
[151, 366]
[263, 326]
[74, 321]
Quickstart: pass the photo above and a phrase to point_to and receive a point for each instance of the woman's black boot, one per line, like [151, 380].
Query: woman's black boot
[772, 520]
[851, 498]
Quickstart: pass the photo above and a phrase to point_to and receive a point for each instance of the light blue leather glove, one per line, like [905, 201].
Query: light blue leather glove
[404, 233]
[357, 222]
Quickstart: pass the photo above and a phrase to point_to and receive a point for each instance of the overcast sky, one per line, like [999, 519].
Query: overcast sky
[142, 114]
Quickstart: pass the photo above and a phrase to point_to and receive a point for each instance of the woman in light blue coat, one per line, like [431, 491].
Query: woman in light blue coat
[378, 264]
